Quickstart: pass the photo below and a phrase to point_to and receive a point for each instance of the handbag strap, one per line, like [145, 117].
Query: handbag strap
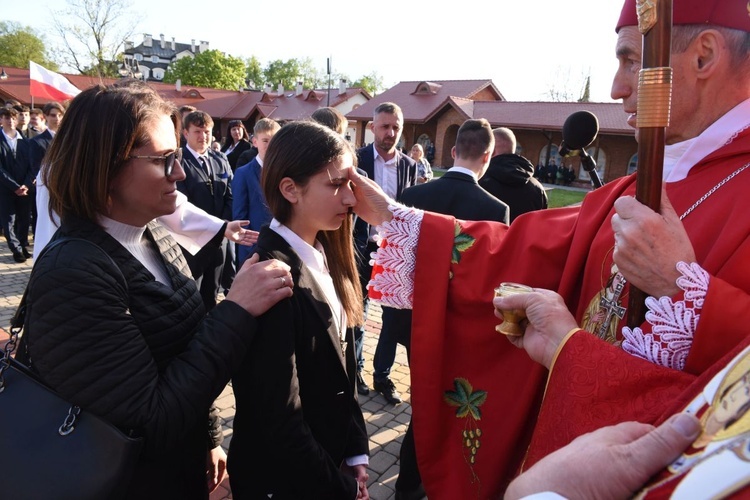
[18, 319]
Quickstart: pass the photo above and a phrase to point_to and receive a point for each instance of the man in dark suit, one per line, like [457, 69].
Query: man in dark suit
[53, 113]
[394, 172]
[510, 177]
[456, 193]
[15, 179]
[207, 185]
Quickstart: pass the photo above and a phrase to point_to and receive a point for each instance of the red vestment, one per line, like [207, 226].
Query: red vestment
[579, 401]
[458, 357]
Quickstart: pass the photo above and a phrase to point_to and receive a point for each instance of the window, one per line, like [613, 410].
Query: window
[552, 156]
[139, 57]
[158, 73]
[633, 164]
[154, 59]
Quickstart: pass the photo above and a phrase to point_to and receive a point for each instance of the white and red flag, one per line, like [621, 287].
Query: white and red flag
[50, 85]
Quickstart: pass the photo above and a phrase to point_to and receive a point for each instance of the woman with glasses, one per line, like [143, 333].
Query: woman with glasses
[114, 321]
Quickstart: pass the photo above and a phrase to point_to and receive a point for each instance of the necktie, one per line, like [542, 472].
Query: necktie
[205, 166]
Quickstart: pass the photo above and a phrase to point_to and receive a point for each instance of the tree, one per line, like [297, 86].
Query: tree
[372, 83]
[21, 44]
[286, 73]
[561, 88]
[210, 68]
[254, 73]
[586, 95]
[93, 33]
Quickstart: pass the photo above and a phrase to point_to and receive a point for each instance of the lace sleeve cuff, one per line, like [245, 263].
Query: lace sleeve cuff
[672, 323]
[392, 282]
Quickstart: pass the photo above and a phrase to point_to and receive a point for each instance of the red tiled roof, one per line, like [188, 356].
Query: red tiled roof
[551, 115]
[419, 106]
[220, 104]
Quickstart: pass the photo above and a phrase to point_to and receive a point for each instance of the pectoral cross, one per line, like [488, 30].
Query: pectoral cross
[612, 306]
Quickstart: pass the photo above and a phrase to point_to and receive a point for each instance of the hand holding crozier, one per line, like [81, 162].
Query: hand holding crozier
[547, 321]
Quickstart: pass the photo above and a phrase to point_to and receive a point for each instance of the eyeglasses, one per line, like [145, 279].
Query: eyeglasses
[169, 160]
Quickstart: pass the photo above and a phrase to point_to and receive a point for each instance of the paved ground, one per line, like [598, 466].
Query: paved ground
[386, 424]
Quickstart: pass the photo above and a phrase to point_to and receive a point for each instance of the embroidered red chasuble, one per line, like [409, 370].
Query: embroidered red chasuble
[579, 401]
[468, 380]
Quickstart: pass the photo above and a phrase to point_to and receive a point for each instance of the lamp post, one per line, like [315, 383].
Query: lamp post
[130, 70]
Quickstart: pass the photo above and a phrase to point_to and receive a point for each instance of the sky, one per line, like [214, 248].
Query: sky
[528, 48]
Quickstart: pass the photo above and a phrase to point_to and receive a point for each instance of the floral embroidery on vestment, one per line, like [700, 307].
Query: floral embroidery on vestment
[672, 323]
[467, 402]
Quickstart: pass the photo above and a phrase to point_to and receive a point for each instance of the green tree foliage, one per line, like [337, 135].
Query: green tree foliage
[372, 83]
[254, 73]
[93, 33]
[286, 73]
[208, 69]
[21, 44]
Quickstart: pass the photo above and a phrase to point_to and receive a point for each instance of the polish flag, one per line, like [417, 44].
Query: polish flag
[50, 85]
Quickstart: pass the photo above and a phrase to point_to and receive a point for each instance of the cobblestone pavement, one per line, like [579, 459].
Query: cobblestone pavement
[386, 424]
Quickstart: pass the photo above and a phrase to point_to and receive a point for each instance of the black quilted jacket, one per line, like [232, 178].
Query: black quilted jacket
[141, 355]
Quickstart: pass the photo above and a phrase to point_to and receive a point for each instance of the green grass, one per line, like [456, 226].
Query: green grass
[557, 197]
[563, 197]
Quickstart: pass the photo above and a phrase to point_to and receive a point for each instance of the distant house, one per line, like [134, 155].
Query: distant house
[154, 56]
[434, 111]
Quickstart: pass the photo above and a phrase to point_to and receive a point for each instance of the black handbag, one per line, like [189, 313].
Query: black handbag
[55, 450]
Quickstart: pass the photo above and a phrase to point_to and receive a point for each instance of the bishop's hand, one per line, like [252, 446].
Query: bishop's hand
[548, 321]
[648, 245]
[372, 202]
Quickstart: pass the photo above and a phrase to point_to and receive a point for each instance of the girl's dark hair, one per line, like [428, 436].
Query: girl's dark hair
[102, 125]
[230, 139]
[299, 150]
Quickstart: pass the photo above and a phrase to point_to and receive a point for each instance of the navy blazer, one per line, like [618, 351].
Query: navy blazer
[297, 413]
[249, 203]
[459, 195]
[214, 195]
[15, 169]
[39, 146]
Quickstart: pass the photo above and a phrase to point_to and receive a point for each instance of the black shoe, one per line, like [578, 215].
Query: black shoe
[362, 387]
[387, 388]
[25, 252]
[417, 493]
[18, 257]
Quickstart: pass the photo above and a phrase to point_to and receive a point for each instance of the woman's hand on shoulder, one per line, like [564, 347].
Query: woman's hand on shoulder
[258, 286]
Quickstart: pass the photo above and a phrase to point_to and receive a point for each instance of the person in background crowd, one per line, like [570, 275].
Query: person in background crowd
[424, 171]
[236, 143]
[510, 177]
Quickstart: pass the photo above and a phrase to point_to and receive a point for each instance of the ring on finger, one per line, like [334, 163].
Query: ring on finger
[283, 281]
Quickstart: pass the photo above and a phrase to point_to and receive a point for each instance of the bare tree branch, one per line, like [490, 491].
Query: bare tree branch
[93, 33]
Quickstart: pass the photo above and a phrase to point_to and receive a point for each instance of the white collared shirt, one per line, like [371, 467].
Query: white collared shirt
[386, 173]
[462, 170]
[198, 156]
[315, 260]
[12, 141]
